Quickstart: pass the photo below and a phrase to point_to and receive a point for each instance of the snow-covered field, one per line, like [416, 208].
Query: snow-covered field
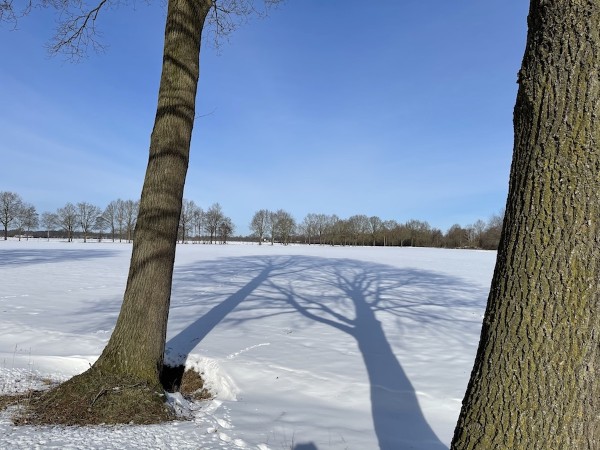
[305, 347]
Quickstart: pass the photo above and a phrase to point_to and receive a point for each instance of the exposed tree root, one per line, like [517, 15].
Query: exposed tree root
[94, 398]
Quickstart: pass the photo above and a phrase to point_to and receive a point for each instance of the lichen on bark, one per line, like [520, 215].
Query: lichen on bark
[532, 385]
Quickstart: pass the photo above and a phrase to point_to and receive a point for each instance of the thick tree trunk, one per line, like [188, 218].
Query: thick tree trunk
[534, 384]
[136, 346]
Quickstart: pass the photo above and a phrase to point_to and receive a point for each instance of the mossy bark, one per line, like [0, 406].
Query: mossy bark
[134, 354]
[534, 383]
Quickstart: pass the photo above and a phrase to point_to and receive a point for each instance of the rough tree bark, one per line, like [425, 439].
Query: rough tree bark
[534, 383]
[133, 357]
[137, 343]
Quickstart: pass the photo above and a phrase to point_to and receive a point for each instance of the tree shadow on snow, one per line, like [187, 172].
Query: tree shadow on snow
[347, 295]
[180, 346]
[26, 257]
[308, 446]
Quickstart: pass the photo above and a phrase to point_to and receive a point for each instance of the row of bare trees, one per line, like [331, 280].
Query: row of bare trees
[210, 226]
[280, 226]
[275, 226]
[83, 218]
[117, 220]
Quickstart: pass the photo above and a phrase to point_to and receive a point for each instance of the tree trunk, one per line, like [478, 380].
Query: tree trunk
[137, 344]
[133, 357]
[534, 383]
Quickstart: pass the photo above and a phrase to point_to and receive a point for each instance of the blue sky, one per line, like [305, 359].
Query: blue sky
[402, 109]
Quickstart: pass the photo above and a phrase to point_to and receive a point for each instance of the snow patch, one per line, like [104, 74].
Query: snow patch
[309, 378]
[215, 379]
[182, 407]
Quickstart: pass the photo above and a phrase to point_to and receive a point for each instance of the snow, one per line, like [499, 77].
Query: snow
[304, 347]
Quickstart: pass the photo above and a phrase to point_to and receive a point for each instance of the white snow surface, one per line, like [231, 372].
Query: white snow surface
[304, 347]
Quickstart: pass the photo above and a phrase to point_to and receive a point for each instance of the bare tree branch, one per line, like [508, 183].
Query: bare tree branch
[227, 15]
[7, 12]
[76, 30]
[10, 14]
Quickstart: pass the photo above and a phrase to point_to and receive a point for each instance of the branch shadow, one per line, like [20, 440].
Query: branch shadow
[353, 297]
[179, 347]
[27, 257]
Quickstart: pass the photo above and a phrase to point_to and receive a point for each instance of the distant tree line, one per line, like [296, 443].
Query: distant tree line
[276, 226]
[280, 226]
[210, 226]
[117, 222]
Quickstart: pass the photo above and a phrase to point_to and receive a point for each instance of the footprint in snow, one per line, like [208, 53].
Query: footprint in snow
[224, 437]
[224, 424]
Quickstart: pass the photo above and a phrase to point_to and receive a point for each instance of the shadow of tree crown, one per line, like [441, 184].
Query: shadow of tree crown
[324, 288]
[348, 295]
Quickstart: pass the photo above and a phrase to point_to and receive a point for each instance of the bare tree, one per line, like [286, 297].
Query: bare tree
[456, 236]
[436, 237]
[130, 208]
[49, 222]
[476, 233]
[188, 214]
[321, 223]
[493, 231]
[389, 230]
[259, 224]
[212, 219]
[332, 229]
[310, 226]
[100, 226]
[67, 219]
[225, 229]
[342, 231]
[198, 222]
[87, 214]
[134, 354]
[110, 216]
[419, 232]
[27, 219]
[375, 228]
[271, 226]
[121, 217]
[358, 227]
[10, 206]
[284, 226]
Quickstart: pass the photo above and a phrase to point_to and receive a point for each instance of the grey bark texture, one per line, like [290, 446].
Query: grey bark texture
[535, 384]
